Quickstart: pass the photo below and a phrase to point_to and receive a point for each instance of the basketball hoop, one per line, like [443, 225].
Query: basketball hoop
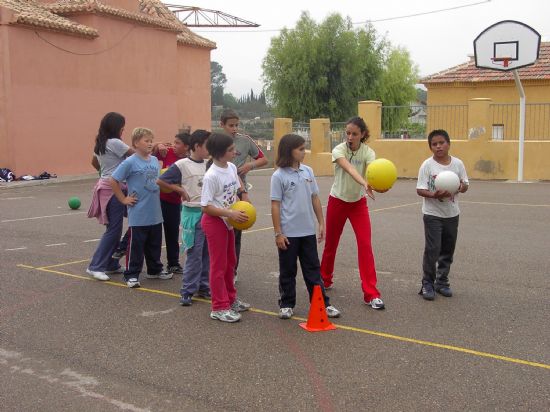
[502, 61]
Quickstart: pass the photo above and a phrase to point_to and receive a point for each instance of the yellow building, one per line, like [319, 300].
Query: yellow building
[450, 90]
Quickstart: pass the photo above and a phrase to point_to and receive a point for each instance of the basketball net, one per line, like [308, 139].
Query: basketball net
[501, 61]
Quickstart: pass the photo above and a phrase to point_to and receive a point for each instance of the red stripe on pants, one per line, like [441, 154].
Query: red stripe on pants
[338, 212]
[221, 248]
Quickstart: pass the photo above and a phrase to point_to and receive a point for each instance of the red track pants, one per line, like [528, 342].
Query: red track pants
[338, 212]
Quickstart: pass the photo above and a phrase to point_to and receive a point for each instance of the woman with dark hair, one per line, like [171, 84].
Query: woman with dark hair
[347, 200]
[109, 152]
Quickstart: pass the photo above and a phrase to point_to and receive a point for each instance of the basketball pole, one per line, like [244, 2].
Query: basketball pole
[521, 124]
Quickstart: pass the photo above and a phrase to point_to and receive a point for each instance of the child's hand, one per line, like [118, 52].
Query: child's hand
[441, 194]
[162, 149]
[463, 187]
[184, 195]
[130, 200]
[244, 169]
[282, 242]
[238, 216]
[321, 236]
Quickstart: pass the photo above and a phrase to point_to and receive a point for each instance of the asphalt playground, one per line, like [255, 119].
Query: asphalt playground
[68, 342]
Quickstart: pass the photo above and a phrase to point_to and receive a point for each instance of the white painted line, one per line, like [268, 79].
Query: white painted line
[91, 240]
[154, 313]
[17, 198]
[17, 248]
[41, 217]
[56, 244]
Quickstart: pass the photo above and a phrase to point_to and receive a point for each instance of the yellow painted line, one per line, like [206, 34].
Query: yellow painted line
[63, 264]
[343, 327]
[502, 204]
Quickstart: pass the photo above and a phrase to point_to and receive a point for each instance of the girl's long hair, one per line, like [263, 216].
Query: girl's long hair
[109, 128]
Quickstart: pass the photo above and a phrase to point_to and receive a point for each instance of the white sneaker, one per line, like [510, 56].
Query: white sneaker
[286, 313]
[376, 303]
[133, 283]
[240, 306]
[97, 275]
[225, 315]
[332, 312]
[162, 275]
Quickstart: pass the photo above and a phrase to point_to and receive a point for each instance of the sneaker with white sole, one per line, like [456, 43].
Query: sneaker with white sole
[119, 254]
[162, 275]
[225, 315]
[286, 313]
[97, 275]
[176, 270]
[332, 312]
[376, 303]
[133, 283]
[240, 306]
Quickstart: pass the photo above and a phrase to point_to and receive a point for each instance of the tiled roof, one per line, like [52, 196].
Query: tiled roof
[33, 13]
[469, 73]
[152, 12]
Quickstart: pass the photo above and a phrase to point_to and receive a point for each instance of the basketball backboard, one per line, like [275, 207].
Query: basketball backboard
[507, 45]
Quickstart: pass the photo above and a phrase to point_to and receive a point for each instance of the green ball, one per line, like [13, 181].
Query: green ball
[74, 203]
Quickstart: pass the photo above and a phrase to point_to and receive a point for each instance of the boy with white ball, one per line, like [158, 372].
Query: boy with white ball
[440, 179]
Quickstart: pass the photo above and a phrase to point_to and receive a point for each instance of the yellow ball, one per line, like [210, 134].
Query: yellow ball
[381, 174]
[162, 189]
[250, 212]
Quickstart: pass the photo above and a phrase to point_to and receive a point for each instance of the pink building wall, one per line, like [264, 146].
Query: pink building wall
[52, 100]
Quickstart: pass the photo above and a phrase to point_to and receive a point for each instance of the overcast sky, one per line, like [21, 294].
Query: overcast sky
[435, 41]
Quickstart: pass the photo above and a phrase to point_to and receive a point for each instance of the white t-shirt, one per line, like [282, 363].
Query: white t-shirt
[192, 175]
[447, 207]
[219, 186]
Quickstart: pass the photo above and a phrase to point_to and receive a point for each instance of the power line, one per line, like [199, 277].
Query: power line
[359, 22]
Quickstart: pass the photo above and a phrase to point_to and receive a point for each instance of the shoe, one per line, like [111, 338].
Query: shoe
[225, 316]
[162, 275]
[286, 313]
[97, 275]
[186, 300]
[176, 270]
[240, 306]
[119, 254]
[204, 294]
[117, 271]
[332, 312]
[376, 303]
[133, 283]
[427, 292]
[444, 291]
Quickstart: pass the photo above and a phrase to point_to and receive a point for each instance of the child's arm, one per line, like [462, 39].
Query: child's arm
[438, 194]
[117, 191]
[318, 209]
[349, 169]
[174, 187]
[244, 193]
[236, 215]
[280, 239]
[95, 163]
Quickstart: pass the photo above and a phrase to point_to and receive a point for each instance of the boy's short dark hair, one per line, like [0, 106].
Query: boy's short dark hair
[198, 137]
[217, 144]
[438, 132]
[184, 138]
[287, 144]
[228, 114]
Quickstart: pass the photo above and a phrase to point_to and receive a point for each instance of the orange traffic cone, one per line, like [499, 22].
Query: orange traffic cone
[317, 320]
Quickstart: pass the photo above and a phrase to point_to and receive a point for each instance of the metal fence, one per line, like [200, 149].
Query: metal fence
[303, 129]
[505, 121]
[415, 122]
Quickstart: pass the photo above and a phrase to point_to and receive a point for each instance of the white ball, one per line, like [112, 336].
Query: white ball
[448, 181]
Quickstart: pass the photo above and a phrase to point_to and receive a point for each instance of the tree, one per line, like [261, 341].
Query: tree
[322, 70]
[217, 81]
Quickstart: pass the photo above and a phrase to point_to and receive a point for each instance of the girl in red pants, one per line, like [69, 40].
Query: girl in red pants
[347, 200]
[220, 187]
